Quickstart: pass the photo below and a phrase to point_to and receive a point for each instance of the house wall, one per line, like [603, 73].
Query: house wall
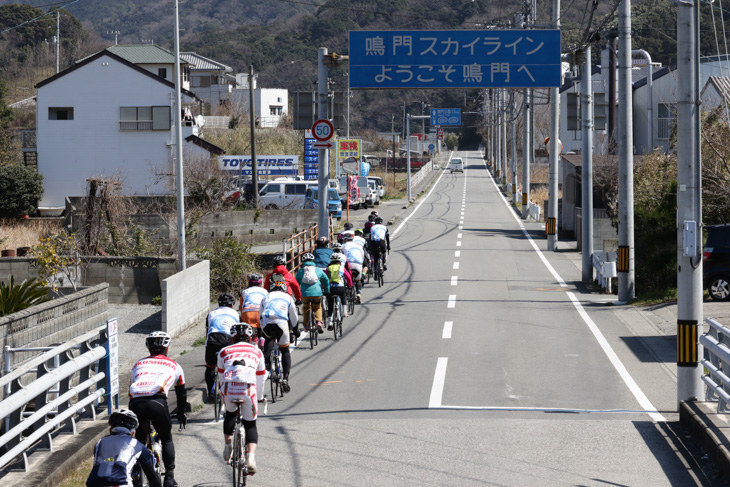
[92, 144]
[264, 98]
[153, 68]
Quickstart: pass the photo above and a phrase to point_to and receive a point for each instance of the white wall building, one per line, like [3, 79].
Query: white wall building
[270, 104]
[107, 116]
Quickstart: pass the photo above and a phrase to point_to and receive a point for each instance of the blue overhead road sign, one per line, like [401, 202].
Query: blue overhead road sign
[455, 59]
[445, 116]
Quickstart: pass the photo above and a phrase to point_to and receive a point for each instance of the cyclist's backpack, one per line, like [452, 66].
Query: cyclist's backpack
[334, 272]
[310, 275]
[277, 280]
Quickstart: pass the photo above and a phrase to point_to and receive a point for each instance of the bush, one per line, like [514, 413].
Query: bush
[20, 189]
[230, 264]
[17, 297]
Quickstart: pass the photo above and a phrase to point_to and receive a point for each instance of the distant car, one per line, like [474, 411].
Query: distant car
[334, 205]
[373, 197]
[716, 262]
[456, 165]
[379, 183]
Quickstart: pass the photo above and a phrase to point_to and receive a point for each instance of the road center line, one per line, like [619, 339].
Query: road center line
[457, 253]
[439, 379]
[456, 265]
[452, 301]
[458, 243]
[459, 236]
[447, 329]
[454, 280]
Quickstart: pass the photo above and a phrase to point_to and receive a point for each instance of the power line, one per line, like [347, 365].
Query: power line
[50, 12]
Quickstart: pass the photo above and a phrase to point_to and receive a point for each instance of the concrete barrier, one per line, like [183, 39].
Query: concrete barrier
[185, 298]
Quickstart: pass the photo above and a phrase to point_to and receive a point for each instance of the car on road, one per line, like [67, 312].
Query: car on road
[373, 196]
[379, 183]
[716, 262]
[334, 205]
[456, 165]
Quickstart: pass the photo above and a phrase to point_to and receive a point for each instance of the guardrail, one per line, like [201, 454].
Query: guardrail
[301, 242]
[31, 418]
[605, 265]
[716, 361]
[533, 208]
[418, 177]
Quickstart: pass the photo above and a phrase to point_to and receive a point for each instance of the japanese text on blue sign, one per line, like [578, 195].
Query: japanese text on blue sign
[445, 116]
[455, 59]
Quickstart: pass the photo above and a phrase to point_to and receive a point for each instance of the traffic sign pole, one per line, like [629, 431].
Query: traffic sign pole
[319, 131]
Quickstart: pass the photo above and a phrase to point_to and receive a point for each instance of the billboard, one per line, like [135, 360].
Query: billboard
[267, 165]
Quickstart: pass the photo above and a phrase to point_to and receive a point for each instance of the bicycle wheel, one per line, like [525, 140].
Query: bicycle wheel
[238, 461]
[217, 400]
[351, 300]
[279, 374]
[337, 317]
[312, 328]
[272, 375]
[380, 273]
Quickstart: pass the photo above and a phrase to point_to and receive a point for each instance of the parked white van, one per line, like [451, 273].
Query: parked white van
[285, 193]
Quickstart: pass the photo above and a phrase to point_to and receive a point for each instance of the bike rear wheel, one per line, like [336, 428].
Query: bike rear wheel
[217, 400]
[340, 312]
[311, 327]
[380, 273]
[238, 460]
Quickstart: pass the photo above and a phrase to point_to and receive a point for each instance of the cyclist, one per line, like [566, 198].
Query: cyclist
[340, 279]
[347, 231]
[358, 258]
[241, 374]
[152, 378]
[278, 314]
[291, 284]
[251, 299]
[322, 253]
[380, 240]
[115, 455]
[218, 335]
[368, 225]
[315, 284]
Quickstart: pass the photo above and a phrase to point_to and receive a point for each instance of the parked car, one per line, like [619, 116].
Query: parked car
[716, 262]
[240, 190]
[284, 193]
[380, 184]
[374, 161]
[456, 164]
[334, 203]
[373, 197]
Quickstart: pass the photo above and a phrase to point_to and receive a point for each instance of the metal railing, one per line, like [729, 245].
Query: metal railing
[35, 412]
[716, 362]
[425, 170]
[605, 265]
[301, 242]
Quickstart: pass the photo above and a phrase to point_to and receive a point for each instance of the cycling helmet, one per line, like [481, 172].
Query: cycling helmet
[374, 212]
[124, 418]
[323, 242]
[337, 247]
[157, 341]
[254, 280]
[226, 299]
[371, 217]
[279, 260]
[347, 237]
[308, 257]
[338, 257]
[358, 232]
[241, 332]
[378, 220]
[348, 226]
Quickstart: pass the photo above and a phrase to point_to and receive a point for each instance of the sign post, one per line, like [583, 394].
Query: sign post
[322, 130]
[112, 363]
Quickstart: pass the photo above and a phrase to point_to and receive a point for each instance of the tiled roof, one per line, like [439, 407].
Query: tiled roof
[143, 54]
[204, 64]
[723, 86]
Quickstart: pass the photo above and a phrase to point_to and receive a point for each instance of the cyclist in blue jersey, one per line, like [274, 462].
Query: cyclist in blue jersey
[278, 314]
[115, 455]
[218, 335]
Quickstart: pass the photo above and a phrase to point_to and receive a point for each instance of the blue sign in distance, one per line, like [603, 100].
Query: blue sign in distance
[445, 116]
[311, 159]
[455, 59]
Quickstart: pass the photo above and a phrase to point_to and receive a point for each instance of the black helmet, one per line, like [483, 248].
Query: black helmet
[254, 279]
[323, 242]
[241, 332]
[157, 341]
[308, 257]
[371, 217]
[378, 220]
[226, 299]
[348, 226]
[279, 260]
[374, 212]
[124, 418]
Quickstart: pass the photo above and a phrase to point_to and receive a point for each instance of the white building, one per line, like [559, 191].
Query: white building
[210, 80]
[270, 104]
[108, 116]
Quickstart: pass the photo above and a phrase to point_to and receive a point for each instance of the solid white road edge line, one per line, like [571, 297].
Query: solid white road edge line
[607, 349]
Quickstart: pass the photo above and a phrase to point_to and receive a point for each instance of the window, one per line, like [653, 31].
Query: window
[271, 188]
[666, 118]
[275, 110]
[295, 189]
[144, 118]
[162, 73]
[278, 99]
[55, 113]
[200, 81]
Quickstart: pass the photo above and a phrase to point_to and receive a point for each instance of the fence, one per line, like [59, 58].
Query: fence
[301, 242]
[54, 322]
[32, 418]
[716, 362]
[422, 173]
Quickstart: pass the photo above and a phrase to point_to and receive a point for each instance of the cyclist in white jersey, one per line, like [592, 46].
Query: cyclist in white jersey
[278, 313]
[218, 335]
[251, 299]
[152, 378]
[358, 258]
[380, 240]
[241, 374]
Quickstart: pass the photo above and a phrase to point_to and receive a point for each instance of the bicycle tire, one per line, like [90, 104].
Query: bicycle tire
[333, 319]
[238, 460]
[312, 328]
[279, 374]
[340, 317]
[351, 300]
[272, 372]
[217, 401]
[380, 273]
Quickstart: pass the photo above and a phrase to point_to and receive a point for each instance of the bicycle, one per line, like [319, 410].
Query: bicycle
[351, 300]
[238, 455]
[276, 375]
[217, 399]
[378, 270]
[337, 312]
[154, 445]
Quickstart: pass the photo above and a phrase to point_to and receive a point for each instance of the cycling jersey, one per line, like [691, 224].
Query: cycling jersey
[154, 376]
[355, 252]
[220, 320]
[278, 306]
[360, 241]
[253, 372]
[322, 257]
[114, 458]
[252, 297]
[378, 232]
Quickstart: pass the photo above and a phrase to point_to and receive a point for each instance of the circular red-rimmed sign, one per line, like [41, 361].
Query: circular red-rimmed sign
[322, 130]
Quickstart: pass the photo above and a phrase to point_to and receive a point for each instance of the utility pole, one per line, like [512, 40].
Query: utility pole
[252, 124]
[625, 263]
[323, 163]
[587, 169]
[526, 149]
[689, 205]
[408, 157]
[179, 176]
[513, 137]
[554, 156]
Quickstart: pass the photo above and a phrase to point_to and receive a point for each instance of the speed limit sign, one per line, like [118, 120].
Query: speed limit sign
[322, 130]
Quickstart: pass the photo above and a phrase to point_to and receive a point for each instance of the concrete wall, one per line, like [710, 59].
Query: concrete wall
[270, 225]
[186, 298]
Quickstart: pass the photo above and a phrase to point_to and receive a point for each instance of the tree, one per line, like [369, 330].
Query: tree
[17, 297]
[20, 189]
[58, 257]
[230, 263]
